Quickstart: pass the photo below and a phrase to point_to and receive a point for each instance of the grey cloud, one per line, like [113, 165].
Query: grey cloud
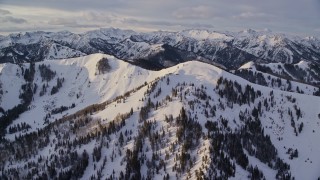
[85, 26]
[98, 16]
[10, 19]
[294, 16]
[69, 22]
[73, 5]
[165, 23]
[252, 15]
[193, 12]
[4, 12]
[140, 22]
[62, 21]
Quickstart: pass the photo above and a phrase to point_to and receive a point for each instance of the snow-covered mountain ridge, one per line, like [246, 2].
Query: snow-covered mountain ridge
[161, 49]
[268, 74]
[97, 117]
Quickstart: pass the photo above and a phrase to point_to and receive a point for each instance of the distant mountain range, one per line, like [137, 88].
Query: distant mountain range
[161, 49]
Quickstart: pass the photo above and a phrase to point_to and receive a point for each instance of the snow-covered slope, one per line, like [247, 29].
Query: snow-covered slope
[82, 85]
[187, 121]
[303, 71]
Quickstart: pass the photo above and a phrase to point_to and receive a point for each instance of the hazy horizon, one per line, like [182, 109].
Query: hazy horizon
[287, 16]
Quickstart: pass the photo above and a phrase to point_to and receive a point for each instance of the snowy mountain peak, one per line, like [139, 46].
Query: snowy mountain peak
[96, 116]
[205, 34]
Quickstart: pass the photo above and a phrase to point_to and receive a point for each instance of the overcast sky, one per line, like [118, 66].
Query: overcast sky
[301, 17]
